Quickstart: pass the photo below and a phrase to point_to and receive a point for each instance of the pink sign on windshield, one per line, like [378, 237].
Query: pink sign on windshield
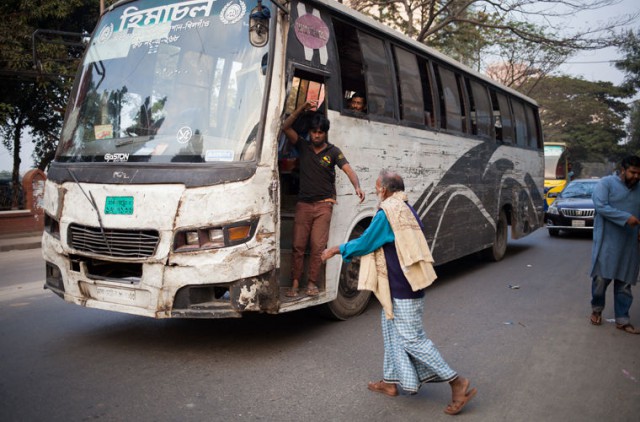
[311, 31]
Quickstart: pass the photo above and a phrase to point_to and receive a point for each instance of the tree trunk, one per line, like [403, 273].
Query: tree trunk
[16, 188]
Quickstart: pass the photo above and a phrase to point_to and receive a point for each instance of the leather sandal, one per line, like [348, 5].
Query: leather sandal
[596, 318]
[628, 328]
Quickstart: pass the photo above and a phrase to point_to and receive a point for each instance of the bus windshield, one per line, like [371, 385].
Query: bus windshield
[554, 166]
[168, 82]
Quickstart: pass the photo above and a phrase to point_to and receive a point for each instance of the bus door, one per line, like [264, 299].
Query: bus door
[303, 86]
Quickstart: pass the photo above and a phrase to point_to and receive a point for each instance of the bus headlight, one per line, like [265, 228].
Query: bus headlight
[192, 238]
[214, 237]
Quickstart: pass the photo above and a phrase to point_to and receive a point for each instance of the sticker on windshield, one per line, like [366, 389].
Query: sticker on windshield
[133, 17]
[116, 157]
[184, 135]
[103, 131]
[218, 155]
[105, 33]
[233, 11]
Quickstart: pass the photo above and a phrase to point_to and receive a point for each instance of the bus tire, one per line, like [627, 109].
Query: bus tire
[497, 251]
[350, 301]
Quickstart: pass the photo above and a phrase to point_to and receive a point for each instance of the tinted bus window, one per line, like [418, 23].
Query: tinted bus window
[450, 96]
[411, 101]
[521, 122]
[502, 116]
[380, 98]
[480, 107]
[532, 126]
[427, 94]
[351, 69]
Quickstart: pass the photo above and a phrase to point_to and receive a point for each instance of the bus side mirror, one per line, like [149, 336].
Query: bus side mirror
[259, 25]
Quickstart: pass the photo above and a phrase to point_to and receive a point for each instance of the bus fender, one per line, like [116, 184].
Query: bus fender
[258, 294]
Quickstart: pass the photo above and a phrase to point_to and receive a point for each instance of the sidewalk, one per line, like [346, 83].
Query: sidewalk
[20, 242]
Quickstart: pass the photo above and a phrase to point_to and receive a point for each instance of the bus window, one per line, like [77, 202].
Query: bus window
[427, 93]
[451, 100]
[380, 98]
[305, 86]
[532, 129]
[521, 123]
[350, 56]
[411, 102]
[304, 89]
[480, 109]
[502, 118]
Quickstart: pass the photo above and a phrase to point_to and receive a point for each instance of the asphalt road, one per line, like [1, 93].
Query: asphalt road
[528, 348]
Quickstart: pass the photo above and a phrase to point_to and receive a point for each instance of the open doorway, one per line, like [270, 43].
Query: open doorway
[304, 86]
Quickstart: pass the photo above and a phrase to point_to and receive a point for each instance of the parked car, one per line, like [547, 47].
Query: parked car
[573, 209]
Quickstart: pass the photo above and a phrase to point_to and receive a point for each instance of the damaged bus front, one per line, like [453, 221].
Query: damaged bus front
[161, 200]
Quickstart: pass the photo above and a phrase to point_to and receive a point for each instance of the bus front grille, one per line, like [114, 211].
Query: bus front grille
[115, 243]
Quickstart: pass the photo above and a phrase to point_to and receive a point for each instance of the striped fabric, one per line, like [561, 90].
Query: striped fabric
[410, 358]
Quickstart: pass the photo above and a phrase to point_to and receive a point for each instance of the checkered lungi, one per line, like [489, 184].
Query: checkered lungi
[410, 358]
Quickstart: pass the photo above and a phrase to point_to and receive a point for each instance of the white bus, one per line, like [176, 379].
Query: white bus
[172, 193]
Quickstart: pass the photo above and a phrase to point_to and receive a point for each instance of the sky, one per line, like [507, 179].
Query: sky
[590, 65]
[597, 65]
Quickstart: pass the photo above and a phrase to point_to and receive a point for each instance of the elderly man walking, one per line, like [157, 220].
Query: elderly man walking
[615, 242]
[397, 266]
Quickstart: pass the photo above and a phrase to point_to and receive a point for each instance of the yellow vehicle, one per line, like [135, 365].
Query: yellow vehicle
[557, 170]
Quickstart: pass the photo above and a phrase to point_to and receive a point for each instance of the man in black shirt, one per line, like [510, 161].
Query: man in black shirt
[317, 195]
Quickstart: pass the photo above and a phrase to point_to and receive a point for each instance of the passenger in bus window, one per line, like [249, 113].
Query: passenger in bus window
[397, 266]
[317, 194]
[358, 103]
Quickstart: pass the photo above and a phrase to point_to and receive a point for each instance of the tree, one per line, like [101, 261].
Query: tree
[32, 99]
[630, 65]
[629, 45]
[588, 116]
[469, 30]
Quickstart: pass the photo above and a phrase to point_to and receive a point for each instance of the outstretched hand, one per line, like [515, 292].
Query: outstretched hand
[330, 252]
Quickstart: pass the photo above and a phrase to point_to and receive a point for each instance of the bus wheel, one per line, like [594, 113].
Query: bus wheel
[499, 248]
[350, 301]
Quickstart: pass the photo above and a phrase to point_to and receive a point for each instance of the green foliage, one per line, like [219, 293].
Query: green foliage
[588, 116]
[633, 145]
[33, 98]
[630, 65]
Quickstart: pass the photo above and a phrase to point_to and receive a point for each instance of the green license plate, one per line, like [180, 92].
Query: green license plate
[119, 205]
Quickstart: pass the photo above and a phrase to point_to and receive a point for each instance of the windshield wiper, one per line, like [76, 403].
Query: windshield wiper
[133, 141]
[92, 201]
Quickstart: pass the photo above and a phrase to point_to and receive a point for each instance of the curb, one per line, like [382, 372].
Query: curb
[20, 244]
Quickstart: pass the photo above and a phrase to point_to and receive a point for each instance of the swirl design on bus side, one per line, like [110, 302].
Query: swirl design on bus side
[469, 204]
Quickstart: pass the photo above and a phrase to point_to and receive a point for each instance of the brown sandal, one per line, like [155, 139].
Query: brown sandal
[457, 405]
[596, 318]
[292, 292]
[628, 328]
